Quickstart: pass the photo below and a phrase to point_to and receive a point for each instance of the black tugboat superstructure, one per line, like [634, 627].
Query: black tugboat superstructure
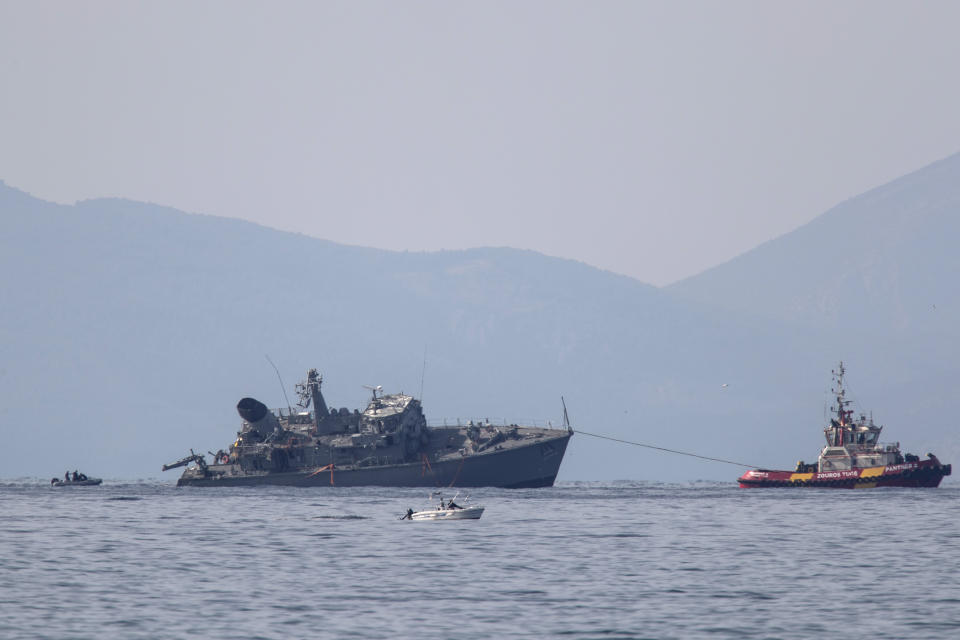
[387, 444]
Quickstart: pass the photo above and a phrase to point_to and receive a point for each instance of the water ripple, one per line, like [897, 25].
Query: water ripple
[620, 560]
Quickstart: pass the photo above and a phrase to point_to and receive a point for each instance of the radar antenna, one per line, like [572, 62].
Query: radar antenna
[282, 388]
[377, 389]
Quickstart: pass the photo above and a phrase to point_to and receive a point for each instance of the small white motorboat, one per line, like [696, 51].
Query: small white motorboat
[464, 513]
[447, 511]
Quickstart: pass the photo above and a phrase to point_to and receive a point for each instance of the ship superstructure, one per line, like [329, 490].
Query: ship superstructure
[853, 443]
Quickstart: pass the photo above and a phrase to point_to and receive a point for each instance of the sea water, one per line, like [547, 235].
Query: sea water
[623, 560]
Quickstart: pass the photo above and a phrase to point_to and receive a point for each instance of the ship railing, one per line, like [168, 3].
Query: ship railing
[498, 422]
[286, 412]
[883, 447]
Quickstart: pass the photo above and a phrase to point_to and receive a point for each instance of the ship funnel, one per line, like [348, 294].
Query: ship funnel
[257, 416]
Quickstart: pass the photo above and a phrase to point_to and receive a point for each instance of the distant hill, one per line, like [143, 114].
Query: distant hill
[883, 262]
[128, 332]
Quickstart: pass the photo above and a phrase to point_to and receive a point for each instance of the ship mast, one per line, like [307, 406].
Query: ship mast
[309, 391]
[843, 414]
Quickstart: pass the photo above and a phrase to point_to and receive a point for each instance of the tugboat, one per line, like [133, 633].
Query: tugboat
[388, 444]
[853, 457]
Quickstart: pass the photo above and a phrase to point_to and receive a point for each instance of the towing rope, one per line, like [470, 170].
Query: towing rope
[682, 453]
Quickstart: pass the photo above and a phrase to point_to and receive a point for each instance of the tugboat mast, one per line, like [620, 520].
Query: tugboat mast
[843, 419]
[842, 413]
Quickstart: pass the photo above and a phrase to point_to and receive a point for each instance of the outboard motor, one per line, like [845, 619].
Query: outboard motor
[257, 416]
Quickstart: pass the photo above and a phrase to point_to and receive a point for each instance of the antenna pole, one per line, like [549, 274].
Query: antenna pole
[282, 388]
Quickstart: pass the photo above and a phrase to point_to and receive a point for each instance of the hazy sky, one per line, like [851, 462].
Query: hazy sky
[653, 139]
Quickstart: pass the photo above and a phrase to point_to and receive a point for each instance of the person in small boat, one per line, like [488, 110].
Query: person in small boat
[83, 476]
[76, 476]
[409, 515]
[66, 476]
[453, 505]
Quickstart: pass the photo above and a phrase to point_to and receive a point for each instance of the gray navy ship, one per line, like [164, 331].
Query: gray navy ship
[387, 444]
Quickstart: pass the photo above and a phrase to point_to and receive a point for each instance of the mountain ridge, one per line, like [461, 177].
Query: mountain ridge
[131, 329]
[886, 242]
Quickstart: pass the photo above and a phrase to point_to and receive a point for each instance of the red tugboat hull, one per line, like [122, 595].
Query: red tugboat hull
[925, 473]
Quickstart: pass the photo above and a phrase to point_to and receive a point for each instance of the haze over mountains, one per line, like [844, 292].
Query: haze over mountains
[884, 254]
[129, 331]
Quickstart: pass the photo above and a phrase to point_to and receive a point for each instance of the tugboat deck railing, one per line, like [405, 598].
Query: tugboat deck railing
[879, 447]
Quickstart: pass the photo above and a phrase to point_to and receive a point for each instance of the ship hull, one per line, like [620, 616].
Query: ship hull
[925, 473]
[527, 466]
